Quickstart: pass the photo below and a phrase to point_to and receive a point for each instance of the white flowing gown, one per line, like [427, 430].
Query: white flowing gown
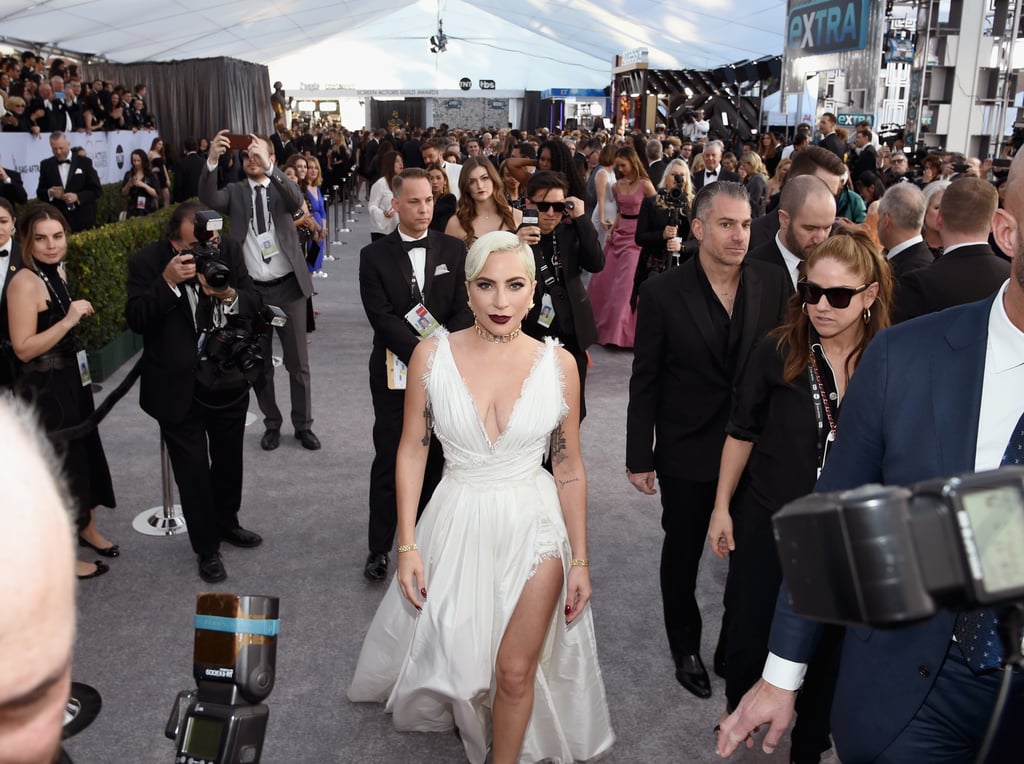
[494, 516]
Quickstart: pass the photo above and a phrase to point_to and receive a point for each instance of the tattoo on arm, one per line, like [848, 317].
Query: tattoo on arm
[564, 483]
[428, 421]
[558, 446]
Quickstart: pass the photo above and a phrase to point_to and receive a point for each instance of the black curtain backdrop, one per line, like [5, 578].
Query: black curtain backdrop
[412, 112]
[197, 97]
[532, 117]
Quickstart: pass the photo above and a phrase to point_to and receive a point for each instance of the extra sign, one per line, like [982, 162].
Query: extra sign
[827, 26]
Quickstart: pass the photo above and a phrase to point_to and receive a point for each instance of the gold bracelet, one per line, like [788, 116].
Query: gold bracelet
[580, 563]
[407, 548]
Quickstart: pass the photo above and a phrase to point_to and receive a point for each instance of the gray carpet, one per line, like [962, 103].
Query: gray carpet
[135, 623]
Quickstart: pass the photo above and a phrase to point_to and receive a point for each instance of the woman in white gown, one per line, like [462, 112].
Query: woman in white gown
[485, 627]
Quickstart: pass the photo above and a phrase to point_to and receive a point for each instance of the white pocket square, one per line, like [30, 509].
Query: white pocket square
[78, 171]
[441, 270]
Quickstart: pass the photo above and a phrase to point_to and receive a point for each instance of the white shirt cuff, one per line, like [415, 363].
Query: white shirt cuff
[211, 166]
[784, 674]
[177, 292]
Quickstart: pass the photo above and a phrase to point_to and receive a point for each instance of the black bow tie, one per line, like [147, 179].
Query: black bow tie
[712, 173]
[63, 161]
[4, 253]
[411, 245]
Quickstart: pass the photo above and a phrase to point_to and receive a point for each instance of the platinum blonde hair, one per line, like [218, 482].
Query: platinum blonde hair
[498, 241]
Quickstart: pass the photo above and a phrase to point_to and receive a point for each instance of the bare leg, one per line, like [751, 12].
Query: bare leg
[91, 533]
[517, 660]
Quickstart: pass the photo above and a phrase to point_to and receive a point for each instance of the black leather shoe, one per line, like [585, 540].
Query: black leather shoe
[309, 441]
[101, 568]
[692, 675]
[271, 440]
[108, 551]
[241, 537]
[376, 566]
[211, 568]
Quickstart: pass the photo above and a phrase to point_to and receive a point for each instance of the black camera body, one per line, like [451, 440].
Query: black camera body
[233, 352]
[206, 251]
[886, 555]
[223, 721]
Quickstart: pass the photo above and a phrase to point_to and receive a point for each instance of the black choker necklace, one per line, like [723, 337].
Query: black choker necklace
[499, 338]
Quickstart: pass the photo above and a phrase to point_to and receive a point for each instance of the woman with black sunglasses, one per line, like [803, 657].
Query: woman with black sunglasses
[782, 427]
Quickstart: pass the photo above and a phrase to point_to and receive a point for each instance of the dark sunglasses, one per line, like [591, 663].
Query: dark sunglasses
[838, 297]
[558, 207]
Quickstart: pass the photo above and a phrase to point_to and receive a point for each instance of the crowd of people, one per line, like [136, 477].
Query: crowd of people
[755, 284]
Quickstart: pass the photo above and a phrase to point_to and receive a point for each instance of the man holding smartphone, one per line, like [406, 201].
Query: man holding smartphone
[260, 208]
[564, 245]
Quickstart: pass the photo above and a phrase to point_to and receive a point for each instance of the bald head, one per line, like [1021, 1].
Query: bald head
[807, 210]
[1008, 229]
[37, 595]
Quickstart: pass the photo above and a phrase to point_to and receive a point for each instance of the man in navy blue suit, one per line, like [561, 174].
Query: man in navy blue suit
[933, 397]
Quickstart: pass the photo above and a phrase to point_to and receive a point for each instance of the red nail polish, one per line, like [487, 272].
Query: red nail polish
[423, 592]
[568, 609]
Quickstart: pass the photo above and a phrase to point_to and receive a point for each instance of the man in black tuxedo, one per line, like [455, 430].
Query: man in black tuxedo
[900, 215]
[11, 187]
[409, 269]
[863, 158]
[48, 111]
[696, 325]
[203, 428]
[188, 172]
[807, 211]
[968, 270]
[656, 162]
[713, 170]
[564, 245]
[70, 183]
[261, 210]
[10, 263]
[282, 144]
[811, 160]
[829, 137]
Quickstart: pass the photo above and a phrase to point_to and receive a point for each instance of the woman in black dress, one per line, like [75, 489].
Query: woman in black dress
[663, 224]
[42, 317]
[780, 434]
[140, 188]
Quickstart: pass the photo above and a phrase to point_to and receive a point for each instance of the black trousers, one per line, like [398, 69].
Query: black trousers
[206, 454]
[388, 409]
[751, 590]
[686, 512]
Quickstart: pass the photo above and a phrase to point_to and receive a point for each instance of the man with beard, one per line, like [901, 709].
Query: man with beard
[807, 211]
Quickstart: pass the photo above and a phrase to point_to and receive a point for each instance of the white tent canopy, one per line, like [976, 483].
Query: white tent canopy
[533, 44]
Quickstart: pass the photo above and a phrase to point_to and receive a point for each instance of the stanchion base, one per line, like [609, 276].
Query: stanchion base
[153, 522]
[250, 418]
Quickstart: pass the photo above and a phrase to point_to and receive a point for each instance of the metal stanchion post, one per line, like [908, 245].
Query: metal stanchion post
[166, 520]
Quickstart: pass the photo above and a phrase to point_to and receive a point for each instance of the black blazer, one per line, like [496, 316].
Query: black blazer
[966, 274]
[186, 177]
[656, 170]
[835, 144]
[770, 253]
[385, 276]
[763, 230]
[14, 192]
[910, 259]
[580, 251]
[723, 174]
[650, 237]
[680, 393]
[13, 264]
[865, 161]
[169, 354]
[82, 180]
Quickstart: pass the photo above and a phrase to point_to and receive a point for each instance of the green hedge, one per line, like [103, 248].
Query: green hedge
[97, 269]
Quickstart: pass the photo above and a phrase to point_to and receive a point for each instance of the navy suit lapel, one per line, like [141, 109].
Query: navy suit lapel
[956, 389]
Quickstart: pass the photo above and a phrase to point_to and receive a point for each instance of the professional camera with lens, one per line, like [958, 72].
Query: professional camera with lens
[206, 250]
[678, 207]
[231, 354]
[223, 720]
[887, 556]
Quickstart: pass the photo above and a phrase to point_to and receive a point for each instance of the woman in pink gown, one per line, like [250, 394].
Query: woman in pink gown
[610, 289]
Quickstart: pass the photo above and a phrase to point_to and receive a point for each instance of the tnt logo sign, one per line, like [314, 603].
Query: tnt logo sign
[827, 26]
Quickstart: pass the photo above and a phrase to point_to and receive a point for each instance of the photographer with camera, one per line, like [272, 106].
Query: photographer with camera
[663, 225]
[194, 302]
[564, 245]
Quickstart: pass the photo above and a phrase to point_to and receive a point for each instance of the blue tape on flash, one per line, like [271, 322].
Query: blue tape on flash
[262, 627]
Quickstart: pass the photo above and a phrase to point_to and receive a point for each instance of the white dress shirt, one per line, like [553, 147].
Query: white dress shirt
[418, 258]
[793, 262]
